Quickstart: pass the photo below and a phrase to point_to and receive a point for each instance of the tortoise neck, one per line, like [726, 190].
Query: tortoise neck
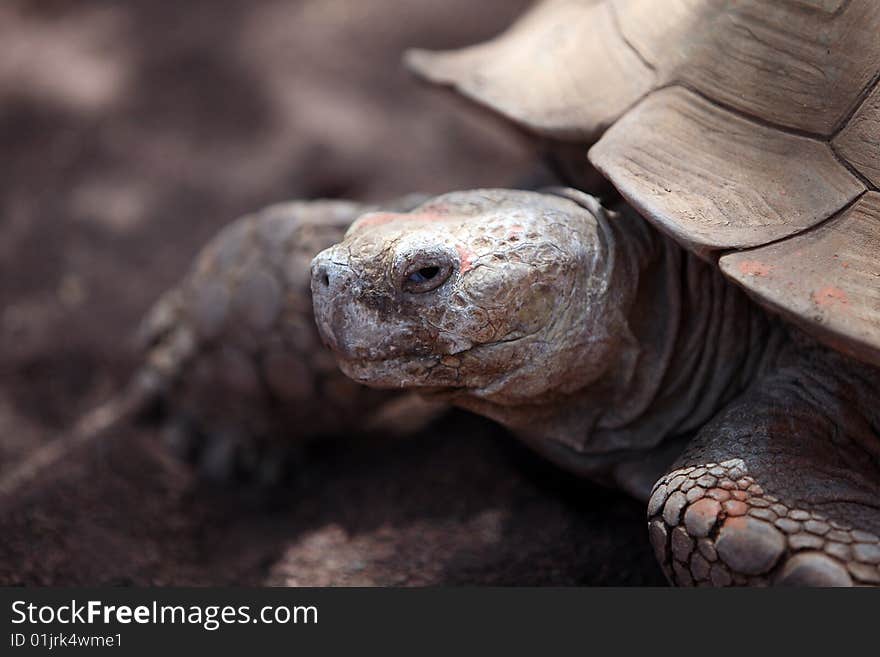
[698, 341]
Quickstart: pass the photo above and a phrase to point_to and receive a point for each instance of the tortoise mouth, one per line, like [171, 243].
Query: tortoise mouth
[434, 374]
[407, 371]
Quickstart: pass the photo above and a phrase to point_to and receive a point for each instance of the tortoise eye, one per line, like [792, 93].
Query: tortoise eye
[426, 278]
[423, 275]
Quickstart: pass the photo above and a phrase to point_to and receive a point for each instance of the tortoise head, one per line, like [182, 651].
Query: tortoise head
[498, 294]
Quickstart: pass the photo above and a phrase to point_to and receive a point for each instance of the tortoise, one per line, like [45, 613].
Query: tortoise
[711, 343]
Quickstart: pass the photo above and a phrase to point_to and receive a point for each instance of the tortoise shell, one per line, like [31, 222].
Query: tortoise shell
[748, 130]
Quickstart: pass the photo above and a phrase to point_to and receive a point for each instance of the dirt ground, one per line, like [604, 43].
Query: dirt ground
[129, 133]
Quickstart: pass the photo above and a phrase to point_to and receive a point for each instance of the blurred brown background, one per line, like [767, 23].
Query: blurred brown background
[129, 132]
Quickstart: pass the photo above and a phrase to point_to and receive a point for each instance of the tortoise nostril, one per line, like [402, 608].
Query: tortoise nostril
[323, 275]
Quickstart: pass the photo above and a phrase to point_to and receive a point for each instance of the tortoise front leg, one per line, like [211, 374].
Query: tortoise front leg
[783, 487]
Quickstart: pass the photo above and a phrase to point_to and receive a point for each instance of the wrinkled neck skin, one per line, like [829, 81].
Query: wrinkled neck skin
[684, 343]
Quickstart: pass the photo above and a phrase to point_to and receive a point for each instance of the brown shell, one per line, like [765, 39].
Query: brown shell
[748, 130]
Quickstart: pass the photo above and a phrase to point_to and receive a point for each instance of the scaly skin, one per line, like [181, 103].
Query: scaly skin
[783, 486]
[235, 354]
[605, 346]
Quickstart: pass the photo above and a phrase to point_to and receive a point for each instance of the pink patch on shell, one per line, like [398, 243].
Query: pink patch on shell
[830, 297]
[754, 268]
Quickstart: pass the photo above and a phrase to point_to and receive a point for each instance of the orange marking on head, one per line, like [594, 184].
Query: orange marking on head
[379, 218]
[754, 268]
[830, 297]
[466, 257]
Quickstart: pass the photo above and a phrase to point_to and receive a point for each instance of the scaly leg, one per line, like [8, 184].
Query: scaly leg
[234, 351]
[783, 487]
